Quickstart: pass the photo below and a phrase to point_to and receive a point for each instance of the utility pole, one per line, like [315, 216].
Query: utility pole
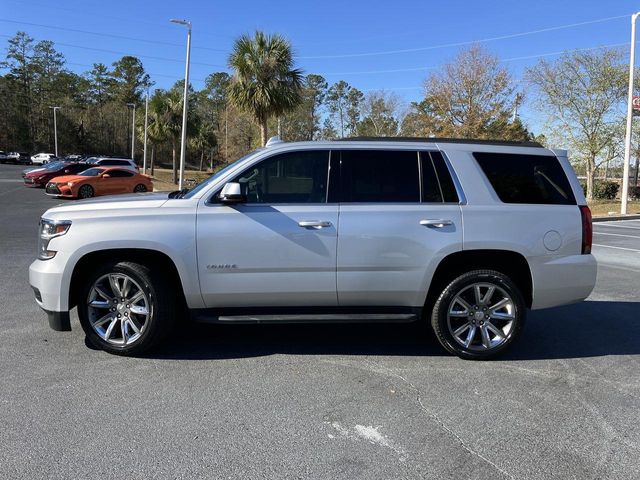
[226, 135]
[133, 130]
[627, 138]
[185, 101]
[146, 123]
[55, 129]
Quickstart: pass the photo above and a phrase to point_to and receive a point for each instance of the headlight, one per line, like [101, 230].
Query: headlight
[70, 184]
[50, 229]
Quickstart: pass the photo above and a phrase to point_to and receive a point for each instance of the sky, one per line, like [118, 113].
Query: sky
[390, 45]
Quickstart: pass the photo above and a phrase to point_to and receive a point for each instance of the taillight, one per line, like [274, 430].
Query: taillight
[587, 229]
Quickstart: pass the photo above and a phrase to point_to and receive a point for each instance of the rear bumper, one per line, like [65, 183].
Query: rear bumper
[562, 280]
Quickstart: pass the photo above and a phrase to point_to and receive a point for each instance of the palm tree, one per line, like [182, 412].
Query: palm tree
[264, 83]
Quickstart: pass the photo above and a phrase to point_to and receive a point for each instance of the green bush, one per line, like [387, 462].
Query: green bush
[602, 190]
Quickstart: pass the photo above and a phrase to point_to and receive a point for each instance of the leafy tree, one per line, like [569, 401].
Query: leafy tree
[471, 97]
[100, 84]
[129, 80]
[303, 123]
[582, 95]
[380, 115]
[343, 102]
[338, 104]
[265, 82]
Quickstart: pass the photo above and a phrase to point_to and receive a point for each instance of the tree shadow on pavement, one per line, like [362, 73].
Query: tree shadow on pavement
[586, 329]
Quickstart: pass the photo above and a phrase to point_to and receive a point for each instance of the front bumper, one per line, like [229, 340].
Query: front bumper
[45, 277]
[58, 190]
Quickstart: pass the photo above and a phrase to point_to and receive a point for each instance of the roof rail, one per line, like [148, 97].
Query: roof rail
[441, 140]
[273, 141]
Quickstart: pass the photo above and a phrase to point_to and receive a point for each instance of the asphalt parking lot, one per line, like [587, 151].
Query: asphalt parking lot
[329, 401]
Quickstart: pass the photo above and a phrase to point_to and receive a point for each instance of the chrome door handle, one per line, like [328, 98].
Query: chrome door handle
[314, 224]
[437, 223]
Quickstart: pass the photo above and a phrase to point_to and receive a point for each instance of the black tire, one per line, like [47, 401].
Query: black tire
[476, 351]
[86, 191]
[162, 307]
[139, 188]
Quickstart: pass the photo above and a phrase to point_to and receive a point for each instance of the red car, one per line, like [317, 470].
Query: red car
[97, 181]
[41, 176]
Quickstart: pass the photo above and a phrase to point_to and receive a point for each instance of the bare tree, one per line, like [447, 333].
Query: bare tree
[582, 95]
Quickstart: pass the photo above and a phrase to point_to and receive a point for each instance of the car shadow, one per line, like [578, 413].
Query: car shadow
[586, 329]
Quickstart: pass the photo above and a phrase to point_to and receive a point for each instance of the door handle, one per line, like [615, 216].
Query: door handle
[437, 223]
[317, 224]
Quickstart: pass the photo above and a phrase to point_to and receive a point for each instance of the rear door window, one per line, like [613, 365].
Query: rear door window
[534, 179]
[437, 184]
[380, 176]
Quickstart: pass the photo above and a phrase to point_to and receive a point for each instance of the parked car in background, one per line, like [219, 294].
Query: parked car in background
[42, 158]
[465, 236]
[96, 181]
[3, 156]
[41, 176]
[19, 158]
[113, 162]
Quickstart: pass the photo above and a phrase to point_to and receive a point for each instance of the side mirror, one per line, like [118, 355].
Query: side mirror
[231, 193]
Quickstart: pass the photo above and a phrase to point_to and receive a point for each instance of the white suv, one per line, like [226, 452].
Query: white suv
[464, 235]
[114, 162]
[42, 158]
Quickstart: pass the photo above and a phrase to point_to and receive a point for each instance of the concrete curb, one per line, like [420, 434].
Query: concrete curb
[615, 217]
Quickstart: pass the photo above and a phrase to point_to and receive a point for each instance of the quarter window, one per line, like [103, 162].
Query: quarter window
[382, 176]
[536, 179]
[293, 177]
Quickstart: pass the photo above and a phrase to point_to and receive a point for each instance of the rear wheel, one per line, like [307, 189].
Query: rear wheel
[139, 188]
[126, 309]
[86, 191]
[479, 314]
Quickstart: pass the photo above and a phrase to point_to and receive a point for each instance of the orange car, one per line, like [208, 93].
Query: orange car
[99, 181]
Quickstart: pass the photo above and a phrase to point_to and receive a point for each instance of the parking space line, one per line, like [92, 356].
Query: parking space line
[611, 224]
[617, 248]
[616, 235]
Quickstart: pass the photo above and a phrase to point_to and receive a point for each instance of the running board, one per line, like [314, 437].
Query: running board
[313, 318]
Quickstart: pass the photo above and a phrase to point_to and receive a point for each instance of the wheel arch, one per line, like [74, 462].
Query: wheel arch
[143, 256]
[508, 262]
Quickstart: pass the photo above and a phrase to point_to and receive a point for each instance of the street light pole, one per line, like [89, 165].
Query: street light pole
[146, 123]
[185, 103]
[55, 129]
[627, 138]
[133, 130]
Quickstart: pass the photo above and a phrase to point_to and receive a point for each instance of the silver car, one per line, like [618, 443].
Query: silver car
[466, 236]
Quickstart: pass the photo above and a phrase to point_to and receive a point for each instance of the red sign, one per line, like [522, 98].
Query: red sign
[636, 102]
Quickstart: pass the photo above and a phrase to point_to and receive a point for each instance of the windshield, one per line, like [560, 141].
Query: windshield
[92, 172]
[53, 166]
[215, 176]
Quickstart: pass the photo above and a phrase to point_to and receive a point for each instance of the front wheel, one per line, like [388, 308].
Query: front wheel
[140, 188]
[126, 309]
[479, 314]
[86, 191]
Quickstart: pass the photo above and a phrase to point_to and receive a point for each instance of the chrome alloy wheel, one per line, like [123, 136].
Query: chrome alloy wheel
[481, 316]
[118, 309]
